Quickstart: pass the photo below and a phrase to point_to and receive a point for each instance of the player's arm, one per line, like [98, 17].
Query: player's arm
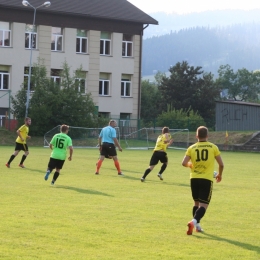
[186, 162]
[117, 144]
[51, 146]
[71, 152]
[220, 168]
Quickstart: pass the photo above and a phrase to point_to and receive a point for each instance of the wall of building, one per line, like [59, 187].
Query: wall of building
[232, 116]
[17, 57]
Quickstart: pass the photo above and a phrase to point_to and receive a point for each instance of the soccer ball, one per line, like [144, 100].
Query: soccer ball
[215, 174]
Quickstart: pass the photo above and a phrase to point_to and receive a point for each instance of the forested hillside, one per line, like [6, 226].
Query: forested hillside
[237, 45]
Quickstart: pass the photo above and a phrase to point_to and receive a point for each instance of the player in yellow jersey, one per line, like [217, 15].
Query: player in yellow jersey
[201, 157]
[159, 154]
[22, 133]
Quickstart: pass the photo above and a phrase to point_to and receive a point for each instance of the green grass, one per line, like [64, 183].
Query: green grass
[85, 216]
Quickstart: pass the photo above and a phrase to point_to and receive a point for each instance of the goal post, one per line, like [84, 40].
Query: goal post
[82, 137]
[145, 138]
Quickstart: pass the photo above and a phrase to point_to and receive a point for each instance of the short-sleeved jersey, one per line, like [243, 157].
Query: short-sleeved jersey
[107, 134]
[24, 131]
[160, 143]
[60, 143]
[202, 156]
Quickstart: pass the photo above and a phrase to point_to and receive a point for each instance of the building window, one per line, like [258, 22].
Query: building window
[56, 39]
[5, 34]
[127, 45]
[55, 76]
[4, 79]
[80, 85]
[126, 85]
[105, 43]
[104, 83]
[81, 41]
[104, 114]
[30, 36]
[26, 79]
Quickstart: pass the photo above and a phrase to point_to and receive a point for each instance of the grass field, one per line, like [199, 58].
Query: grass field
[85, 216]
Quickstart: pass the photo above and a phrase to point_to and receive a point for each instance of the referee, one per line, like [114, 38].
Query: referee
[107, 145]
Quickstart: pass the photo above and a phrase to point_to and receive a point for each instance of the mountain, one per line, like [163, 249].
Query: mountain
[174, 22]
[207, 46]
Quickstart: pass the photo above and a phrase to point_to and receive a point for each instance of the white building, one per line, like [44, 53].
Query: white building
[104, 37]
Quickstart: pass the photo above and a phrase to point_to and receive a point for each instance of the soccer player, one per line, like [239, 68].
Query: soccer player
[59, 144]
[20, 143]
[108, 142]
[200, 157]
[163, 141]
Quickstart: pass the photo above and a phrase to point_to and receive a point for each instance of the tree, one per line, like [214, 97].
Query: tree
[52, 104]
[189, 88]
[242, 85]
[150, 98]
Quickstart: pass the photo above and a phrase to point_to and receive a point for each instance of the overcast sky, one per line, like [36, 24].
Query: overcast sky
[190, 6]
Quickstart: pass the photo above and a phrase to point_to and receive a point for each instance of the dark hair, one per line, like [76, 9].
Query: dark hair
[64, 128]
[165, 129]
[26, 119]
[202, 132]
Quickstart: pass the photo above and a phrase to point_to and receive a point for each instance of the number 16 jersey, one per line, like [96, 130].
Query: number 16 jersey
[60, 142]
[202, 156]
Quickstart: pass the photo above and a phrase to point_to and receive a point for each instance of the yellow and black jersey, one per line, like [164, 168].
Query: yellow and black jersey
[202, 156]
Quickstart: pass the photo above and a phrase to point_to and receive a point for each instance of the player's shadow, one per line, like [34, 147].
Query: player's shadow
[85, 191]
[156, 182]
[36, 170]
[233, 242]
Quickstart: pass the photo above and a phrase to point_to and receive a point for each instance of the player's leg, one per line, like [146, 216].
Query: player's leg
[51, 166]
[153, 161]
[201, 193]
[59, 165]
[18, 148]
[101, 158]
[26, 152]
[164, 161]
[206, 187]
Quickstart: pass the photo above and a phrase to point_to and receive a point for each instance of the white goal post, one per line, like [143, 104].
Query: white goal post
[145, 138]
[82, 137]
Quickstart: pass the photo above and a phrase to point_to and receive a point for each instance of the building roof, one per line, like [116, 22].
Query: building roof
[120, 10]
[238, 103]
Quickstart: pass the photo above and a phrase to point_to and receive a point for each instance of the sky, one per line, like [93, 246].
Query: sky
[191, 6]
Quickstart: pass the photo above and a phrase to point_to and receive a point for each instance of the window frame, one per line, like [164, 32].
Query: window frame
[126, 48]
[81, 38]
[26, 76]
[3, 45]
[125, 82]
[30, 40]
[104, 49]
[2, 74]
[79, 87]
[103, 81]
[56, 37]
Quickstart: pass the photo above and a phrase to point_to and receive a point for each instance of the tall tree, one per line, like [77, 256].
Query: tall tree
[189, 88]
[241, 85]
[150, 98]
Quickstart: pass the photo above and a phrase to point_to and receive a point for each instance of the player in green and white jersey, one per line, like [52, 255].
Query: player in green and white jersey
[59, 144]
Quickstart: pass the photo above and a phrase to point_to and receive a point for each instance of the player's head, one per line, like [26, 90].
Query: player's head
[27, 121]
[165, 130]
[112, 123]
[202, 132]
[64, 128]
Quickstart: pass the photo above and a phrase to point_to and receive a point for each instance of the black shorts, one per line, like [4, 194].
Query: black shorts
[19, 147]
[55, 164]
[158, 156]
[108, 149]
[201, 190]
